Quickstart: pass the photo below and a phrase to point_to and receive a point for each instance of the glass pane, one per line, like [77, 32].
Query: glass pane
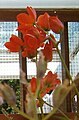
[73, 34]
[31, 69]
[9, 62]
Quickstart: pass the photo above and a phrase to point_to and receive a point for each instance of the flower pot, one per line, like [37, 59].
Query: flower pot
[14, 116]
[57, 116]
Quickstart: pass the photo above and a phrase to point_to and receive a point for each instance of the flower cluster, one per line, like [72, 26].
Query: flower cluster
[48, 83]
[34, 31]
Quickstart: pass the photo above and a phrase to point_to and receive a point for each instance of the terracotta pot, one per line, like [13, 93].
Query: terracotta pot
[54, 117]
[59, 116]
[14, 116]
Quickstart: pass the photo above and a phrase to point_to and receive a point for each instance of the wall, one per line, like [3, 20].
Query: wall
[39, 3]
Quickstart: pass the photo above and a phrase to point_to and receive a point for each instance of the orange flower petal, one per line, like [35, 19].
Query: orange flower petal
[12, 47]
[16, 40]
[47, 51]
[31, 11]
[24, 18]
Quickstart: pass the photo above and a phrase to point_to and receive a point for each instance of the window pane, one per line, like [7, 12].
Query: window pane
[73, 34]
[9, 62]
[31, 69]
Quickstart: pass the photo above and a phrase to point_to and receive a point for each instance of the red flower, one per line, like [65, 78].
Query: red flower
[26, 20]
[48, 83]
[30, 45]
[51, 79]
[43, 21]
[15, 44]
[47, 51]
[55, 24]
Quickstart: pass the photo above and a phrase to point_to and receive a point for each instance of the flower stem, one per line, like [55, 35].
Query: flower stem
[63, 62]
[57, 109]
[54, 111]
[42, 114]
[22, 113]
[67, 71]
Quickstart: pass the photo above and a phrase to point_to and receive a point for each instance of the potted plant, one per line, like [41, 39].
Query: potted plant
[38, 44]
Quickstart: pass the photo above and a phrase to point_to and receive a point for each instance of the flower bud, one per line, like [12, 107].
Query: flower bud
[55, 24]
